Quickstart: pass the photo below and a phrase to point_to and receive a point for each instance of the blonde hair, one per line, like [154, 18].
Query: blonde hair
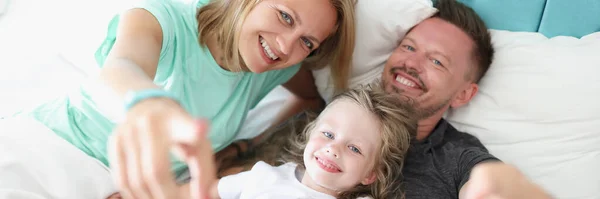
[398, 126]
[224, 18]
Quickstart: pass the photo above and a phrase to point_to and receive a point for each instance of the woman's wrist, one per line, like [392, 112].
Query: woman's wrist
[133, 98]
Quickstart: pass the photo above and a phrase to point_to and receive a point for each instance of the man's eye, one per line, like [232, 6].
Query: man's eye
[410, 48]
[437, 62]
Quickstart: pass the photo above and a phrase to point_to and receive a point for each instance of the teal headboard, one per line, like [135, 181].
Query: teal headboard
[550, 17]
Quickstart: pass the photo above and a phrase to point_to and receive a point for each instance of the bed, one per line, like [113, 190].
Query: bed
[537, 108]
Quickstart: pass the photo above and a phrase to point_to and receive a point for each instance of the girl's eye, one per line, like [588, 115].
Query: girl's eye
[308, 43]
[328, 135]
[354, 149]
[286, 17]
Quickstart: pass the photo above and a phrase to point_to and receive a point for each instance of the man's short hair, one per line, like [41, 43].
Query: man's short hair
[469, 22]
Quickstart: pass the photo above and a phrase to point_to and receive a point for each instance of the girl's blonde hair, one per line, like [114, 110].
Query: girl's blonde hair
[398, 126]
[224, 18]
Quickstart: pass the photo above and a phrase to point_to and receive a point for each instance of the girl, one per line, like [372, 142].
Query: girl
[355, 148]
[164, 62]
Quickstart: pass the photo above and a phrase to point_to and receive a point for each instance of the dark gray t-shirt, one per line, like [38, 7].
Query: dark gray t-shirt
[440, 165]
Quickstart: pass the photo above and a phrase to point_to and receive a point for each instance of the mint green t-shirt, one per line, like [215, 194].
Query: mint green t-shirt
[185, 69]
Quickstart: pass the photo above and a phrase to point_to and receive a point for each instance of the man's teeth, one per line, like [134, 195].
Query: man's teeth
[405, 81]
[267, 49]
[328, 165]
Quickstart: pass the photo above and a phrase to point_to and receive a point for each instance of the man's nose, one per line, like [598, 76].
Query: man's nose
[416, 62]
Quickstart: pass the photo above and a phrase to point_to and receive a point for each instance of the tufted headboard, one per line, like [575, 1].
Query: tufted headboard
[550, 17]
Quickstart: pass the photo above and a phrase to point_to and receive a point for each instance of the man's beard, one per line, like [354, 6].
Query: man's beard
[421, 111]
[426, 112]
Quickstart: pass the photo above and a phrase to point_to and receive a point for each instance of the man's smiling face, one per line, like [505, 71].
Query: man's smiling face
[432, 66]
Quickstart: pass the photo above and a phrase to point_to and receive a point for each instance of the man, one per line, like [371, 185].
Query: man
[438, 65]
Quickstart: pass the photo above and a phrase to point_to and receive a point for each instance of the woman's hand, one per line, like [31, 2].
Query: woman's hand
[140, 151]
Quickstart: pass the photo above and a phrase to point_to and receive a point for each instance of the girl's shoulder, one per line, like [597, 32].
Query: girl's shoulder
[287, 169]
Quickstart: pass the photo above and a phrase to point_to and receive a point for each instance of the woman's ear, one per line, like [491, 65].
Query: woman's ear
[369, 179]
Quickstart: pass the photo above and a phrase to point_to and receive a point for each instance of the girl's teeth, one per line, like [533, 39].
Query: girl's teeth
[267, 49]
[328, 165]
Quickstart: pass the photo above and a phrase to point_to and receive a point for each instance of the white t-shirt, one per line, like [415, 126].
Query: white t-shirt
[265, 182]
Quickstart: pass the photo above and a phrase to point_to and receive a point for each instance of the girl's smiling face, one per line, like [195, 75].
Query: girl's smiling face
[342, 149]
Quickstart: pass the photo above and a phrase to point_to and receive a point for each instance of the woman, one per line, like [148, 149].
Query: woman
[165, 62]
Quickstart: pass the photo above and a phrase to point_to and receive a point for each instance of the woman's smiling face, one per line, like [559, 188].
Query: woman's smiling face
[277, 34]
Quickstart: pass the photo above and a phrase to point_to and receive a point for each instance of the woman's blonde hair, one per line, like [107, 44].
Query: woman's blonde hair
[224, 18]
[398, 127]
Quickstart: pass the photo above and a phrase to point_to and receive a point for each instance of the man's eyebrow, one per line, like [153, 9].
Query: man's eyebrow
[410, 39]
[436, 52]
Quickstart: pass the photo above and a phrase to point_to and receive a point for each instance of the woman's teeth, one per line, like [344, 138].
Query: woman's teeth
[405, 81]
[267, 49]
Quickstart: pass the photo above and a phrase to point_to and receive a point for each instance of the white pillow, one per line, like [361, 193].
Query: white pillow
[538, 108]
[380, 26]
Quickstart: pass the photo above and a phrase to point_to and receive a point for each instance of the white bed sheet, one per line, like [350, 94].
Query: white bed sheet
[31, 67]
[52, 169]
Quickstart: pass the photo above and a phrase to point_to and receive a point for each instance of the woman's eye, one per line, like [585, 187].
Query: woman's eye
[328, 135]
[308, 43]
[354, 149]
[286, 17]
[410, 48]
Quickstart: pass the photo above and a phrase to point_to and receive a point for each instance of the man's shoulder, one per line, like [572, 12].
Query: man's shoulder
[461, 140]
[460, 149]
[438, 167]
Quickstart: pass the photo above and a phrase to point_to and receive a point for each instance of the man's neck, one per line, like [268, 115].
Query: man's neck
[427, 125]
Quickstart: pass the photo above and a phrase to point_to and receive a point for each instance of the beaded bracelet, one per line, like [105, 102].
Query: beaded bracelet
[134, 97]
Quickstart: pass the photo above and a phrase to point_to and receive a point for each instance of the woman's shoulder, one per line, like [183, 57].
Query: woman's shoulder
[173, 16]
[170, 7]
[177, 3]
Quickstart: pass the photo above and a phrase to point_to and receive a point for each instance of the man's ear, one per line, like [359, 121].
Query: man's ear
[369, 179]
[464, 96]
